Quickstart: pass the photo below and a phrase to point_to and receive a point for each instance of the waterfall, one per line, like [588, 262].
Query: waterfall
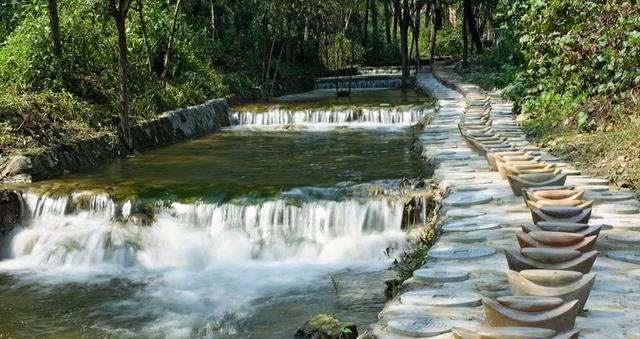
[80, 229]
[383, 114]
[365, 83]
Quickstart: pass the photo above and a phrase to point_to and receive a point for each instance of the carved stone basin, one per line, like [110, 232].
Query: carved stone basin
[550, 259]
[531, 311]
[512, 333]
[493, 156]
[508, 170]
[567, 285]
[530, 303]
[560, 202]
[526, 181]
[562, 240]
[555, 195]
[551, 188]
[583, 229]
[517, 167]
[565, 214]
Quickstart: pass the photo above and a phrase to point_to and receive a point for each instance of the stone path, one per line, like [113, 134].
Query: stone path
[482, 217]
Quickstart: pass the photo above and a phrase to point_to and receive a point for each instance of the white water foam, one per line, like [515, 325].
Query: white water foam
[201, 261]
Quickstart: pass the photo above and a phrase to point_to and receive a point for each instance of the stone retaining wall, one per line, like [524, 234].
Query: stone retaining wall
[171, 127]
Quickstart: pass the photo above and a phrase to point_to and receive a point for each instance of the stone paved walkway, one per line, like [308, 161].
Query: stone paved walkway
[482, 216]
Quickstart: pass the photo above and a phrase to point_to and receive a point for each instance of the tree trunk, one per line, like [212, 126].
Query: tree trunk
[387, 22]
[213, 19]
[375, 34]
[365, 30]
[54, 21]
[427, 17]
[167, 54]
[416, 33]
[436, 26]
[143, 25]
[469, 17]
[275, 72]
[404, 43]
[396, 19]
[119, 14]
[465, 45]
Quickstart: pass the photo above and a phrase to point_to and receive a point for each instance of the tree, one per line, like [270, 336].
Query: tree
[437, 21]
[404, 41]
[54, 22]
[167, 54]
[470, 20]
[465, 45]
[143, 26]
[213, 19]
[387, 21]
[375, 33]
[119, 12]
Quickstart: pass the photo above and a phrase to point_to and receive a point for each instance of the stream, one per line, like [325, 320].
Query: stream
[294, 210]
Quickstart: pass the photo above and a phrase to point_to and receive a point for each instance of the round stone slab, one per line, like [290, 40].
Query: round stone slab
[631, 238]
[470, 188]
[633, 333]
[455, 164]
[627, 256]
[444, 157]
[609, 196]
[461, 253]
[634, 274]
[441, 298]
[437, 137]
[440, 276]
[587, 181]
[466, 238]
[618, 209]
[444, 153]
[418, 328]
[468, 226]
[464, 200]
[594, 188]
[462, 213]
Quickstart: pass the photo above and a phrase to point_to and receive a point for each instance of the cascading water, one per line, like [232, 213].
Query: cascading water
[403, 115]
[286, 242]
[366, 83]
[56, 234]
[240, 234]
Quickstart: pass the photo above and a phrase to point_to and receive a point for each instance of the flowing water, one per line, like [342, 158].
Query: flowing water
[246, 233]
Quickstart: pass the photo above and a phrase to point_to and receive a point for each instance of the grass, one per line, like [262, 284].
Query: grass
[33, 122]
[612, 153]
[335, 283]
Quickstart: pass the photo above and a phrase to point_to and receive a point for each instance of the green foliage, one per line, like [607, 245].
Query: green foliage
[449, 42]
[339, 51]
[555, 58]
